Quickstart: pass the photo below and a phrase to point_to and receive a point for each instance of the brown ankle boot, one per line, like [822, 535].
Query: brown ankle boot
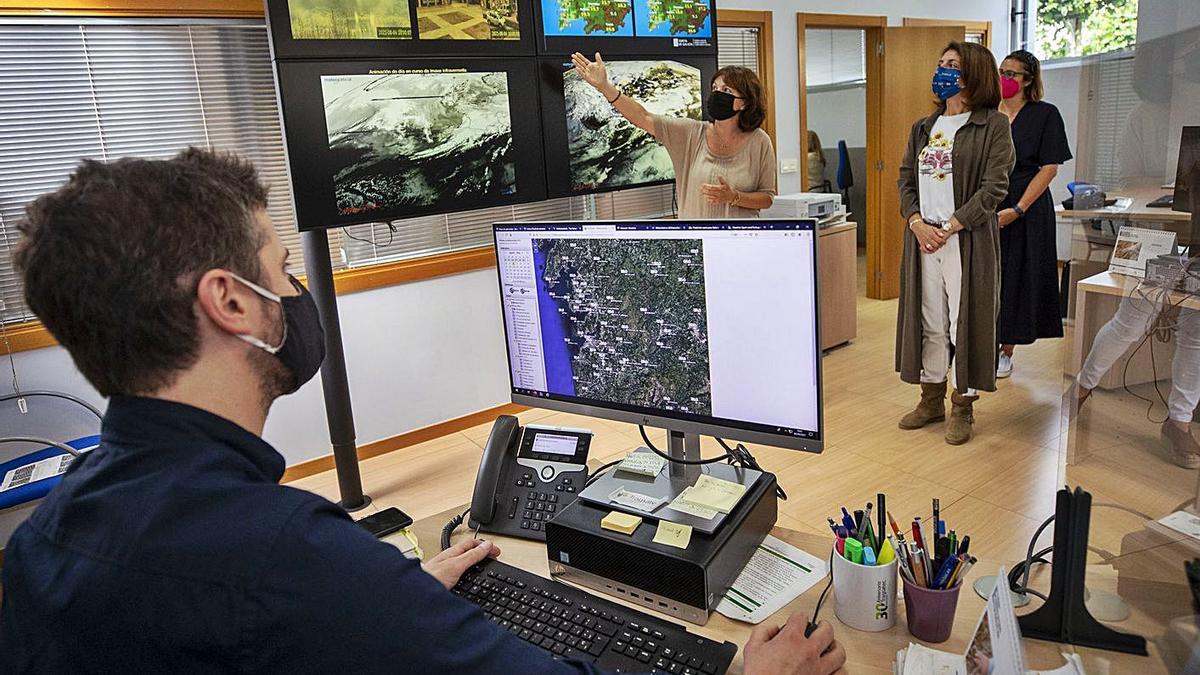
[962, 417]
[932, 407]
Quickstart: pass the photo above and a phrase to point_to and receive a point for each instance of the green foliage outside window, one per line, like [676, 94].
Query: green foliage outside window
[1081, 27]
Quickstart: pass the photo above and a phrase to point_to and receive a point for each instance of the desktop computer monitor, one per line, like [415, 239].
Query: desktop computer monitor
[1187, 175]
[701, 328]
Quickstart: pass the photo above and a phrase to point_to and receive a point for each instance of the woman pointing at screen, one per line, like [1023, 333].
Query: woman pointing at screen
[725, 167]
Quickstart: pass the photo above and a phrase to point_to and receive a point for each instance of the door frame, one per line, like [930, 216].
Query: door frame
[872, 27]
[762, 20]
[984, 28]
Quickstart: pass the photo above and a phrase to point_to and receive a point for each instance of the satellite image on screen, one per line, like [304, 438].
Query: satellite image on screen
[606, 151]
[467, 20]
[587, 17]
[672, 18]
[606, 339]
[350, 19]
[418, 138]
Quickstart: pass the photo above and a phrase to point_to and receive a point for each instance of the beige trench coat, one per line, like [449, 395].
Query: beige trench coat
[983, 158]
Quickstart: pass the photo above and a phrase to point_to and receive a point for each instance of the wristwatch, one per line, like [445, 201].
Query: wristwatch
[1020, 211]
[943, 225]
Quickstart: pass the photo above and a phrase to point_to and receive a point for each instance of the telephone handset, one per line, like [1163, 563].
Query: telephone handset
[526, 475]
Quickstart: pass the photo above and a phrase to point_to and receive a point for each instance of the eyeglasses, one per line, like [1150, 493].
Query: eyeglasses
[1014, 74]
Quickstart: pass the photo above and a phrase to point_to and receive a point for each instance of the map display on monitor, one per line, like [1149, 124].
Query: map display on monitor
[672, 18]
[587, 17]
[350, 19]
[403, 139]
[468, 20]
[625, 320]
[606, 151]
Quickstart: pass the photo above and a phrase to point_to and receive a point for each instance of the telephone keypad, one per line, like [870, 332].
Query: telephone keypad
[539, 507]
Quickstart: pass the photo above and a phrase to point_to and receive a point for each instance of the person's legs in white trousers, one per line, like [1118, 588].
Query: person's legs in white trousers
[941, 290]
[1134, 317]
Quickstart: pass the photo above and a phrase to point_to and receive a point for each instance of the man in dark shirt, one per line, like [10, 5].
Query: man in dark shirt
[171, 547]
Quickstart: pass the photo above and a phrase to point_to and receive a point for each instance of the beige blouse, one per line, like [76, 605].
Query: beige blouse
[751, 169]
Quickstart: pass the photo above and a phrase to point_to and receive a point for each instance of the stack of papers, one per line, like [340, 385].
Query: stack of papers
[921, 660]
[636, 500]
[642, 463]
[708, 497]
[621, 522]
[776, 574]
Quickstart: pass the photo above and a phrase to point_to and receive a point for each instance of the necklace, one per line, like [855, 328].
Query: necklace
[720, 145]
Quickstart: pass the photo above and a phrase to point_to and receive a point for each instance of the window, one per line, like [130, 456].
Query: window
[97, 89]
[738, 46]
[1071, 28]
[834, 58]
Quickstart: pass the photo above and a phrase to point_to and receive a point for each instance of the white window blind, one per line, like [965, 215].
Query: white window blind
[102, 91]
[737, 46]
[1111, 102]
[149, 88]
[834, 57]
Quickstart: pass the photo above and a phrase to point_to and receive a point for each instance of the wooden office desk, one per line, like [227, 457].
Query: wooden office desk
[837, 274]
[867, 652]
[1137, 211]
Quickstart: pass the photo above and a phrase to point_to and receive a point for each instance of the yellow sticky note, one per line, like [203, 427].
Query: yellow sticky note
[624, 523]
[715, 493]
[673, 534]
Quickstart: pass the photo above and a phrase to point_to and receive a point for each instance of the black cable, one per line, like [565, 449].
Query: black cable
[691, 462]
[741, 454]
[812, 621]
[391, 235]
[599, 470]
[451, 527]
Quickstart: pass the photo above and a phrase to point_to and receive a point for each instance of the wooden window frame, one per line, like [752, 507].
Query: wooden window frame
[762, 20]
[31, 335]
[984, 27]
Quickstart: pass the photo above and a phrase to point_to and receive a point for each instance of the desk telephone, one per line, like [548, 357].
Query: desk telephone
[527, 474]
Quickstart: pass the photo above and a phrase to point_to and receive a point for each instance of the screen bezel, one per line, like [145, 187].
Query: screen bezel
[750, 432]
[628, 45]
[303, 118]
[279, 22]
[554, 120]
[583, 442]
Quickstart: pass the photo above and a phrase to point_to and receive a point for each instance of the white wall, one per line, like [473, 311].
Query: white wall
[417, 354]
[839, 114]
[430, 351]
[787, 84]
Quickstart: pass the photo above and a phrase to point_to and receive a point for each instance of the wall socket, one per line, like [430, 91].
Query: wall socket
[789, 166]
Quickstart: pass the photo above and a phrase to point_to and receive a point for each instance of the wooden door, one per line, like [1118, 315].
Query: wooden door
[909, 57]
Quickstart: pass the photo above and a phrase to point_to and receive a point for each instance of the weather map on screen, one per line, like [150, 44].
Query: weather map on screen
[350, 19]
[625, 320]
[468, 20]
[595, 18]
[672, 18]
[606, 151]
[418, 138]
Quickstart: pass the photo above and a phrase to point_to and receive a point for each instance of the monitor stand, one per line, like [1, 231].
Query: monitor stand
[672, 480]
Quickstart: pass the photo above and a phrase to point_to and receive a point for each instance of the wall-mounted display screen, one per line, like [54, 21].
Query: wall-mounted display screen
[590, 147]
[374, 141]
[626, 26]
[395, 28]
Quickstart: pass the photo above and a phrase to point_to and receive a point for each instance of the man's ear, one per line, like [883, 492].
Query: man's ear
[226, 302]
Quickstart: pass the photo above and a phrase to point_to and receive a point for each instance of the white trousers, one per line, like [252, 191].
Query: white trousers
[1128, 326]
[941, 289]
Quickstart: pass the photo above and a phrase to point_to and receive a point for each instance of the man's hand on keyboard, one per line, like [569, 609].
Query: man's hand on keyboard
[450, 564]
[783, 650]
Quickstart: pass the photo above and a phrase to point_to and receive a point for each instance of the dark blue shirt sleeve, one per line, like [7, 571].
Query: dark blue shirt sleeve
[334, 598]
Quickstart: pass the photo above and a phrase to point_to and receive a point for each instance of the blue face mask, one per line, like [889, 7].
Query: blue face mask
[945, 82]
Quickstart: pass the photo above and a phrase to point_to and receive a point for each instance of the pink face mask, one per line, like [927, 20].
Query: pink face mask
[1009, 87]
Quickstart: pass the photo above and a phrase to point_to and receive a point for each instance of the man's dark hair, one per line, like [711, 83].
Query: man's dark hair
[980, 75]
[746, 83]
[111, 260]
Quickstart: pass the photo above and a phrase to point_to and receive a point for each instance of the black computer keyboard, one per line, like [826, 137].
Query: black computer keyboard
[571, 624]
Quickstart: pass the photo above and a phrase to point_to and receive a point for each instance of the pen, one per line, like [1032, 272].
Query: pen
[965, 544]
[858, 518]
[943, 575]
[918, 566]
[937, 514]
[953, 542]
[964, 568]
[957, 571]
[847, 520]
[832, 525]
[864, 530]
[919, 540]
[881, 505]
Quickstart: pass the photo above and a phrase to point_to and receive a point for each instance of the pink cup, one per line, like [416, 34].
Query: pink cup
[930, 613]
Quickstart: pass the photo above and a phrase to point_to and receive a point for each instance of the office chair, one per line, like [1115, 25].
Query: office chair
[845, 176]
[54, 425]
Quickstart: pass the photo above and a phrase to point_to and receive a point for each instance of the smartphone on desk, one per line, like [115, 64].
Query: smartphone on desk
[526, 475]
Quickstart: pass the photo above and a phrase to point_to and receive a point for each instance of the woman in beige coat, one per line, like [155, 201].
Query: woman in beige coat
[954, 175]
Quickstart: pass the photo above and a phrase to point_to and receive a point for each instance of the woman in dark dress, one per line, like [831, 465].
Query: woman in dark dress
[1029, 307]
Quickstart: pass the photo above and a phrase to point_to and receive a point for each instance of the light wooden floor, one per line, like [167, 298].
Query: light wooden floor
[998, 488]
